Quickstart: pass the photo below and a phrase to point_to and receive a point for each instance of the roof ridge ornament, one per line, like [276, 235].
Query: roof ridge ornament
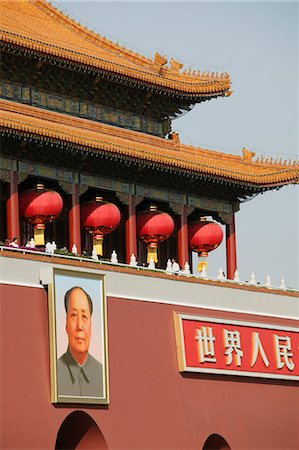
[247, 155]
[160, 61]
[175, 65]
[175, 137]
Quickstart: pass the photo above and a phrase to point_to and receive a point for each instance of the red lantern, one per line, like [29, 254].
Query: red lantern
[99, 218]
[154, 227]
[204, 236]
[39, 206]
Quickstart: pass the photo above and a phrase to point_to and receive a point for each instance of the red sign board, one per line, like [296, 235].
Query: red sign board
[236, 348]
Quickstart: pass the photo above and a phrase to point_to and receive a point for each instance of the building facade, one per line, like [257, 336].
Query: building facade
[90, 122]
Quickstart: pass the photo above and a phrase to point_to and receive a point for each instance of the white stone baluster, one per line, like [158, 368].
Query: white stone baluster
[94, 255]
[204, 272]
[175, 267]
[113, 258]
[133, 261]
[186, 270]
[49, 248]
[236, 276]
[282, 283]
[268, 282]
[252, 279]
[169, 270]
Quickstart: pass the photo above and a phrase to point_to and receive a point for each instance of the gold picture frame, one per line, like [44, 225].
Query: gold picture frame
[78, 337]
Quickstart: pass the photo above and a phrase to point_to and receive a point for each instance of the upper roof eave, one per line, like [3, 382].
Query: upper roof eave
[53, 33]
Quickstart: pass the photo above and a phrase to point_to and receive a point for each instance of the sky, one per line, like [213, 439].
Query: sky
[257, 44]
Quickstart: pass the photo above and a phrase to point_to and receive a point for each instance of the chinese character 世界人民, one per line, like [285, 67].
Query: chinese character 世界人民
[283, 352]
[257, 349]
[232, 343]
[205, 338]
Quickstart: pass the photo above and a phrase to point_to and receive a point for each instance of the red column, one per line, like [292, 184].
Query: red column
[183, 252]
[74, 219]
[231, 251]
[12, 208]
[131, 239]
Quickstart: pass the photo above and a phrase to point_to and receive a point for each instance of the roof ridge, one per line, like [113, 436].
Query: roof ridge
[210, 153]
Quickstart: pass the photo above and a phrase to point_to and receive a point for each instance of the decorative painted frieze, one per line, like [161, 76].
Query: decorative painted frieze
[80, 108]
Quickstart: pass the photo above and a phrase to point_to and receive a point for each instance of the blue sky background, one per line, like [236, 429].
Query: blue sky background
[257, 43]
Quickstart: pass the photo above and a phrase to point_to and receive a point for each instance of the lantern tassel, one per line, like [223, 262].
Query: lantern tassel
[39, 234]
[152, 253]
[202, 261]
[201, 265]
[98, 244]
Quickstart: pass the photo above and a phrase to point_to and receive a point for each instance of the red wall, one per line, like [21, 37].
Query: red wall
[152, 406]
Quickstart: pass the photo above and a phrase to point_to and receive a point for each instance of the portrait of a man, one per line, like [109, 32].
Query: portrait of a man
[78, 337]
[79, 373]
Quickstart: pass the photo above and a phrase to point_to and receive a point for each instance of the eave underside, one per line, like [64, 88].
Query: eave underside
[147, 97]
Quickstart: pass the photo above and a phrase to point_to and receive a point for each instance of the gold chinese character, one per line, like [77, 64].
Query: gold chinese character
[232, 343]
[283, 352]
[257, 349]
[205, 339]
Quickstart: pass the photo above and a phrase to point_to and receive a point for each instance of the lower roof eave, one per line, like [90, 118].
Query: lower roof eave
[248, 189]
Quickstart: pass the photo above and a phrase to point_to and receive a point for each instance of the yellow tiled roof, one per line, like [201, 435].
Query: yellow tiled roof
[37, 26]
[146, 148]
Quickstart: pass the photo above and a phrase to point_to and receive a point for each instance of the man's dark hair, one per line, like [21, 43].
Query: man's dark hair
[67, 297]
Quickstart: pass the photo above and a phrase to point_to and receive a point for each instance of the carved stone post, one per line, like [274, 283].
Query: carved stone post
[231, 250]
[74, 219]
[12, 208]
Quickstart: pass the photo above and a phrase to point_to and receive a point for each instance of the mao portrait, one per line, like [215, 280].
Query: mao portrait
[79, 363]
